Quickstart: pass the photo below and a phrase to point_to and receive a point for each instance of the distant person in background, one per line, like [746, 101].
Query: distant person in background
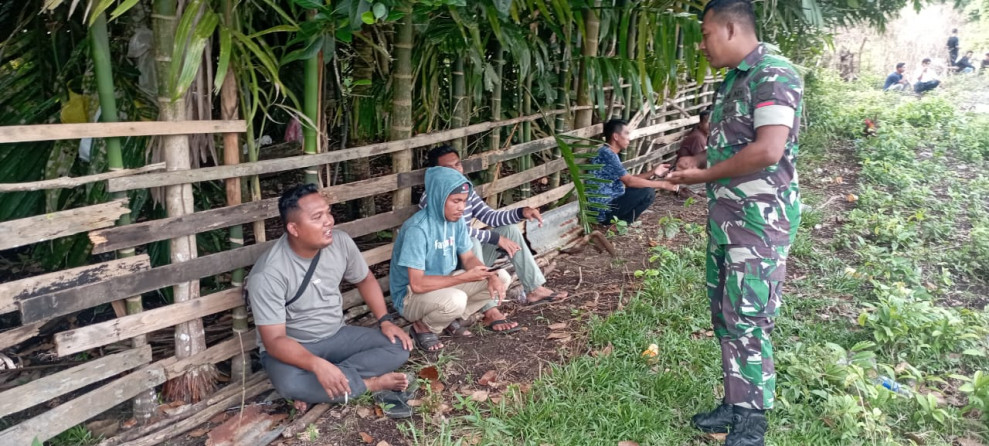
[693, 149]
[926, 78]
[985, 62]
[953, 46]
[964, 65]
[895, 81]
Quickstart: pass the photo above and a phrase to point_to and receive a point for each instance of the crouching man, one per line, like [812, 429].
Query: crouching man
[425, 288]
[294, 291]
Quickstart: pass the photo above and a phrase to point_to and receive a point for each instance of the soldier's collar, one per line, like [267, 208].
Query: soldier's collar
[752, 58]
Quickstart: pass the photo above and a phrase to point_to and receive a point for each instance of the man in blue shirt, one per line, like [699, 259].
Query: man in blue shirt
[895, 80]
[626, 195]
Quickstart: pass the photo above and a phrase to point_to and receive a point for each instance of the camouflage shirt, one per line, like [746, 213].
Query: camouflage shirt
[762, 208]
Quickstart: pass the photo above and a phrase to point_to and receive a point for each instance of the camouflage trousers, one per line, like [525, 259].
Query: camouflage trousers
[744, 285]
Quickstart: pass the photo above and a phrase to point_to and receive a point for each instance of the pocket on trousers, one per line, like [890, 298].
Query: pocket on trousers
[762, 288]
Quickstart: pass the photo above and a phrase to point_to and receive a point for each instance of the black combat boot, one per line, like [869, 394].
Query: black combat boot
[715, 421]
[748, 428]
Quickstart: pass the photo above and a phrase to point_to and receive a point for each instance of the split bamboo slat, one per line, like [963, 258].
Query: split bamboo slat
[53, 132]
[27, 231]
[11, 292]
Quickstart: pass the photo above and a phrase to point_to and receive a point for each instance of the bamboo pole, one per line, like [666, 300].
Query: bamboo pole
[401, 119]
[459, 118]
[143, 403]
[189, 336]
[562, 100]
[589, 49]
[231, 155]
[525, 162]
[494, 138]
[311, 104]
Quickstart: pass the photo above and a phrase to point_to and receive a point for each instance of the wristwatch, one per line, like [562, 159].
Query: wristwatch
[386, 318]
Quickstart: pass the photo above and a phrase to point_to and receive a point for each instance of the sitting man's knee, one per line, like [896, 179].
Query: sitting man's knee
[455, 303]
[504, 277]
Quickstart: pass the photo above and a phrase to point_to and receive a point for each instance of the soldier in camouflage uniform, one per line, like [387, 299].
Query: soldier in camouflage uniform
[754, 212]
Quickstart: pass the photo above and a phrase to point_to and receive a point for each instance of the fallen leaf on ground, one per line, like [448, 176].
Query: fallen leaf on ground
[525, 387]
[480, 396]
[558, 326]
[414, 403]
[365, 412]
[445, 408]
[367, 438]
[717, 437]
[558, 335]
[429, 373]
[378, 412]
[383, 443]
[852, 198]
[496, 399]
[604, 351]
[627, 443]
[839, 180]
[198, 432]
[488, 377]
[129, 423]
[437, 386]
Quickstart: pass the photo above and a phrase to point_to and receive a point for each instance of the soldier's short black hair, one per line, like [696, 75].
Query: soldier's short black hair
[901, 65]
[434, 154]
[740, 11]
[705, 115]
[926, 60]
[613, 126]
[954, 30]
[289, 201]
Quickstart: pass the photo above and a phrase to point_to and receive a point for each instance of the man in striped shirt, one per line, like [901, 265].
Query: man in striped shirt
[503, 233]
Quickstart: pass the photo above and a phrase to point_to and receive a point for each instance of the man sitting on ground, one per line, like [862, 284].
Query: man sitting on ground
[425, 288]
[504, 235]
[985, 63]
[964, 64]
[693, 149]
[294, 291]
[625, 195]
[895, 81]
[926, 78]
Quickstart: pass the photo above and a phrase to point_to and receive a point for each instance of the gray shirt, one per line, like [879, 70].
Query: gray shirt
[318, 313]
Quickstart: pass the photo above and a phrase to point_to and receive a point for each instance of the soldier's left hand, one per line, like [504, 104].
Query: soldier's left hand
[687, 176]
[395, 333]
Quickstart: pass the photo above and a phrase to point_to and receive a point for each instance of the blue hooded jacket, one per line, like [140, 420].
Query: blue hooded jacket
[427, 241]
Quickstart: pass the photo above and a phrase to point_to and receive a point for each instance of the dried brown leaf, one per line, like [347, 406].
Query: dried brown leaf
[558, 335]
[365, 412]
[558, 326]
[479, 395]
[198, 432]
[414, 403]
[716, 436]
[488, 377]
[367, 438]
[430, 373]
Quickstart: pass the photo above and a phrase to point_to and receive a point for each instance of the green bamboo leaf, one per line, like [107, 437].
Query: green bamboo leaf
[182, 32]
[275, 29]
[122, 8]
[194, 53]
[98, 9]
[309, 4]
[226, 47]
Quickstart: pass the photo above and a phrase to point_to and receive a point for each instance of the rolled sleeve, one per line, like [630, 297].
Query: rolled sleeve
[776, 96]
[773, 114]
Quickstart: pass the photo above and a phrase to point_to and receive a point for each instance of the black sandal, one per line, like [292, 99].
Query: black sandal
[425, 341]
[553, 298]
[490, 327]
[457, 328]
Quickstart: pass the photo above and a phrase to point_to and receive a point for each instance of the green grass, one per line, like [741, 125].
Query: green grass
[869, 302]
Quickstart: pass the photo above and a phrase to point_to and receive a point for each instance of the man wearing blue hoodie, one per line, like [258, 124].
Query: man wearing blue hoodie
[425, 288]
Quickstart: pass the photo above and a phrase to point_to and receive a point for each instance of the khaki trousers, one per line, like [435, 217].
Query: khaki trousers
[437, 309]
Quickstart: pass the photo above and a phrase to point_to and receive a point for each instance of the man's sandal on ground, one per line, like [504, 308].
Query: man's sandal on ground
[457, 328]
[426, 341]
[395, 404]
[554, 297]
[490, 327]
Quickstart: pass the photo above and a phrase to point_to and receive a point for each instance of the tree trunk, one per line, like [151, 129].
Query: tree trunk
[190, 339]
[401, 118]
[143, 404]
[589, 49]
[460, 117]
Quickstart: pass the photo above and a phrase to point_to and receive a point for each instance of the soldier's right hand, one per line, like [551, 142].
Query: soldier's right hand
[331, 378]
